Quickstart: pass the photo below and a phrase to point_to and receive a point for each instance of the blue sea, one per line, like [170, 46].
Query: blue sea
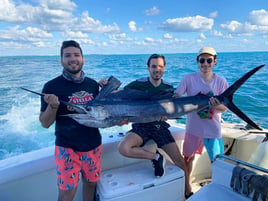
[21, 131]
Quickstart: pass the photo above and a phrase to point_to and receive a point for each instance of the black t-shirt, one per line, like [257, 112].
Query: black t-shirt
[68, 132]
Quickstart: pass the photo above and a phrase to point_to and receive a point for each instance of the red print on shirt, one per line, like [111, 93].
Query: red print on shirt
[80, 98]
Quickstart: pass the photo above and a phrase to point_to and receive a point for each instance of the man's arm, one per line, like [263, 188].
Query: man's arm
[48, 117]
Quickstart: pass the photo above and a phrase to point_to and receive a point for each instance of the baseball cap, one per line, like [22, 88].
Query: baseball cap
[207, 50]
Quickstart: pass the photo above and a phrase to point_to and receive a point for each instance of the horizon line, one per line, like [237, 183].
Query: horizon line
[52, 55]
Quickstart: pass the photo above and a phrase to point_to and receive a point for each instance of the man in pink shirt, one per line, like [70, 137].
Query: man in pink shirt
[203, 128]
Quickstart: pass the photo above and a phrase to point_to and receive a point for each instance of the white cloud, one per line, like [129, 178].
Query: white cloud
[257, 22]
[152, 11]
[89, 25]
[245, 40]
[148, 39]
[167, 36]
[188, 24]
[233, 26]
[236, 27]
[258, 17]
[133, 28]
[199, 41]
[7, 11]
[53, 15]
[43, 14]
[84, 41]
[58, 4]
[217, 33]
[228, 36]
[72, 34]
[39, 44]
[202, 36]
[15, 45]
[152, 40]
[120, 37]
[213, 14]
[30, 34]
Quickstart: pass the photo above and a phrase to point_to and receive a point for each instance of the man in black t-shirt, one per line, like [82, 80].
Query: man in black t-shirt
[77, 147]
[131, 144]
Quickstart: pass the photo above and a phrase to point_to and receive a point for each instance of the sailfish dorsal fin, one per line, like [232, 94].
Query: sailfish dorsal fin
[113, 84]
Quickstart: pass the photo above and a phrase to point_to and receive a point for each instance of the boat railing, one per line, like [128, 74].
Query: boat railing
[237, 161]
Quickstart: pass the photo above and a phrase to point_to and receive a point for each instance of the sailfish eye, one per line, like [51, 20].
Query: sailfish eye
[88, 109]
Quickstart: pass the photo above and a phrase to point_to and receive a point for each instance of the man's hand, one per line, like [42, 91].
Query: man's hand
[123, 122]
[163, 118]
[176, 95]
[103, 82]
[215, 103]
[52, 101]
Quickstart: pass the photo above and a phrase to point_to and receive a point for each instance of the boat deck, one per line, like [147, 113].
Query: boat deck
[32, 175]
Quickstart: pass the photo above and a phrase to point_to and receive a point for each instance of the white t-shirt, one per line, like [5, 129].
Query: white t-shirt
[192, 84]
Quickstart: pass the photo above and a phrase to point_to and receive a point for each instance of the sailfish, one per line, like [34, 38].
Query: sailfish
[109, 109]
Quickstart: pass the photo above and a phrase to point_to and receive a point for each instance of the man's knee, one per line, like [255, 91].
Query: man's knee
[130, 141]
[123, 148]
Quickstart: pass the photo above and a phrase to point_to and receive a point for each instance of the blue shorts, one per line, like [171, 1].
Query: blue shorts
[194, 144]
[214, 147]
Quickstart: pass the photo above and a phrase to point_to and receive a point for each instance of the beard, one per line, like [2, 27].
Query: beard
[156, 76]
[71, 70]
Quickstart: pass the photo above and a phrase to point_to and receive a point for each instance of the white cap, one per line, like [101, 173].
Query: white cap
[207, 50]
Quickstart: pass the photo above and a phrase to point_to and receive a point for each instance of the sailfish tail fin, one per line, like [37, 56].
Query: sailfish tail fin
[226, 97]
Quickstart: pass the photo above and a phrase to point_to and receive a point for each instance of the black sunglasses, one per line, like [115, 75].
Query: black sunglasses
[209, 60]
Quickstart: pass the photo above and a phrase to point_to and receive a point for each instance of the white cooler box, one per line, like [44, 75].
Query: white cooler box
[137, 182]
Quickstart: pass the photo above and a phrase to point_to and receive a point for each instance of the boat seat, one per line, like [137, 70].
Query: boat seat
[233, 183]
[212, 192]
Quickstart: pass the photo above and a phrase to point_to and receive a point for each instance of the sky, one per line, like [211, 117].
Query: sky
[38, 27]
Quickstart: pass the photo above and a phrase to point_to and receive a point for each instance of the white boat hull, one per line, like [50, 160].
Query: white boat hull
[32, 176]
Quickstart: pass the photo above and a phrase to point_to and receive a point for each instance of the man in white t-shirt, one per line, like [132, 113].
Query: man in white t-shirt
[203, 128]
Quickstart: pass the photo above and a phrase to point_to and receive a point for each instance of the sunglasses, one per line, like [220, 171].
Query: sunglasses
[202, 60]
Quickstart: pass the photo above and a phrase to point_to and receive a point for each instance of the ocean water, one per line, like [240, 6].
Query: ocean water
[21, 131]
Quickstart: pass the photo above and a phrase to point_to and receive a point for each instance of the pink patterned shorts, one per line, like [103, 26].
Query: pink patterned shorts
[70, 163]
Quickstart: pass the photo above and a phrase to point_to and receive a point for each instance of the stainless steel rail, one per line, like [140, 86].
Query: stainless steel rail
[237, 161]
